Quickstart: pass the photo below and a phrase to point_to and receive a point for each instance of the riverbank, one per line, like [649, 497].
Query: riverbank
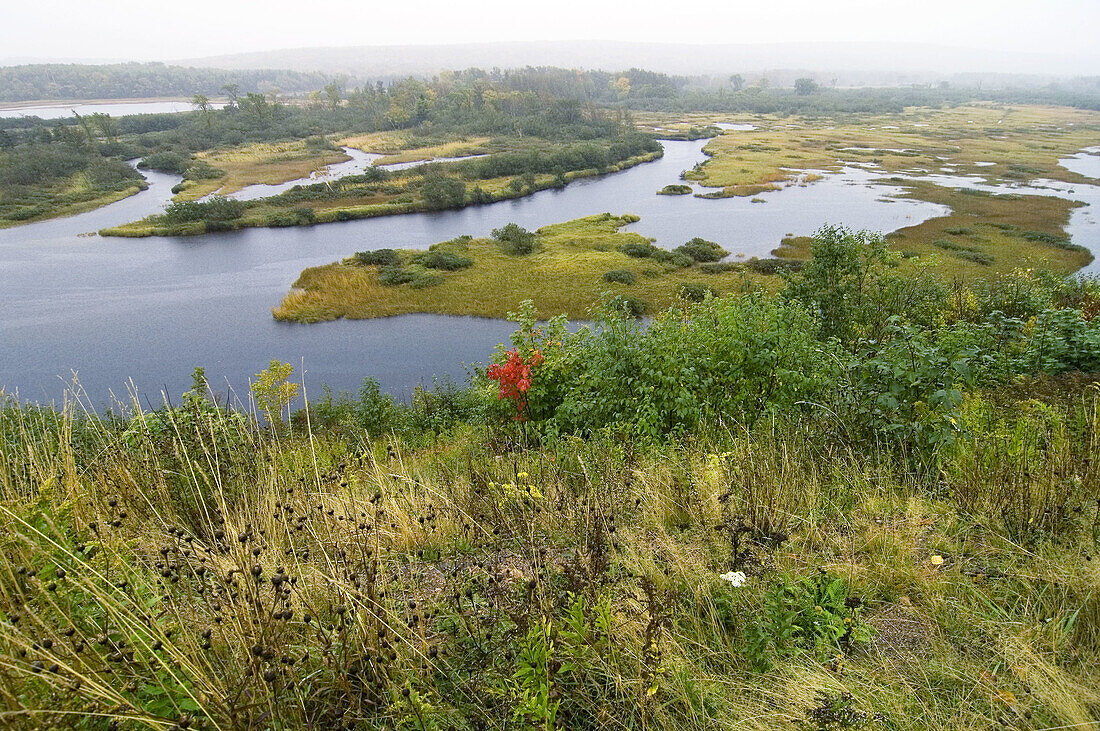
[64, 210]
[583, 264]
[301, 210]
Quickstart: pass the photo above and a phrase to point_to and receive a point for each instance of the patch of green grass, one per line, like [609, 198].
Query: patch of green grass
[566, 273]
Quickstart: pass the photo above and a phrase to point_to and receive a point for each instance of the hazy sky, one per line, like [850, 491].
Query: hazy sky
[170, 29]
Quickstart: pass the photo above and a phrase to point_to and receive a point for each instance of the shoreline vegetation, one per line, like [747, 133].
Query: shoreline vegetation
[377, 192]
[577, 266]
[266, 137]
[567, 268]
[998, 143]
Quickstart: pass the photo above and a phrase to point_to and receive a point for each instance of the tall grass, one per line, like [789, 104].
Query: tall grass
[189, 568]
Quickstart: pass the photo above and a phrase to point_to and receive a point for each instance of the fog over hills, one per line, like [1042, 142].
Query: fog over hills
[845, 63]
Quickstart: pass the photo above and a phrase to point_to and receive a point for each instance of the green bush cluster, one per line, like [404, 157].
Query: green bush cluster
[621, 276]
[378, 257]
[441, 259]
[167, 161]
[515, 240]
[701, 250]
[888, 357]
[217, 208]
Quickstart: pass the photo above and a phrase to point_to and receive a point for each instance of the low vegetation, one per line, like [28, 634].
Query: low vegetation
[519, 168]
[570, 267]
[995, 142]
[60, 172]
[861, 502]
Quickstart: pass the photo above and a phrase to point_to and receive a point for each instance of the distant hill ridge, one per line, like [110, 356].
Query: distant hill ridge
[870, 63]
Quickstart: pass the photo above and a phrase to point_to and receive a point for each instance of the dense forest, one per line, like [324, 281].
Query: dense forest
[635, 87]
[139, 80]
[547, 134]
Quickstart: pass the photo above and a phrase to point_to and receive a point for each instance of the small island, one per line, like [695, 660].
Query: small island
[568, 268]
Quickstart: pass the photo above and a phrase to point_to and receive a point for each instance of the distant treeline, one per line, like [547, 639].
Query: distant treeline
[851, 101]
[633, 88]
[140, 80]
[649, 90]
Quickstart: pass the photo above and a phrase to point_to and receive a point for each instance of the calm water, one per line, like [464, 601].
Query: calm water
[115, 109]
[151, 309]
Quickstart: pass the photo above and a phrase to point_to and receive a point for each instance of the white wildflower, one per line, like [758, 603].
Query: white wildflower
[737, 578]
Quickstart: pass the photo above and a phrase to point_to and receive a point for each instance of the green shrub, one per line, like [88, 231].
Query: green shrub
[293, 217]
[622, 276]
[673, 259]
[378, 257]
[628, 306]
[166, 162]
[977, 257]
[515, 240]
[639, 250]
[440, 191]
[217, 208]
[375, 412]
[664, 378]
[774, 266]
[392, 276]
[443, 259]
[702, 250]
[719, 267]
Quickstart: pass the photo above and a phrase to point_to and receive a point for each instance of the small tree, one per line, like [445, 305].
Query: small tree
[837, 279]
[333, 93]
[805, 86]
[442, 191]
[201, 102]
[274, 391]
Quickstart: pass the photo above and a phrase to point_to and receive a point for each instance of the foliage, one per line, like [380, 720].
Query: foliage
[515, 240]
[727, 359]
[814, 615]
[217, 209]
[441, 259]
[621, 276]
[442, 191]
[702, 250]
[166, 162]
[273, 390]
[837, 280]
[378, 257]
[695, 292]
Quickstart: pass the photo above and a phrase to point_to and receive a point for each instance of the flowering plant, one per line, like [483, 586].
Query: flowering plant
[514, 376]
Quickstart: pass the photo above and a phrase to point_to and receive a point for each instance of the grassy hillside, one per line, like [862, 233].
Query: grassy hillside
[863, 503]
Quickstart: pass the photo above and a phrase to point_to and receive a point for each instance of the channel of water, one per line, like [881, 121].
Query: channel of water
[141, 313]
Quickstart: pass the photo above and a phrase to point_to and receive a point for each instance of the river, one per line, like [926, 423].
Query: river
[140, 314]
[62, 110]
